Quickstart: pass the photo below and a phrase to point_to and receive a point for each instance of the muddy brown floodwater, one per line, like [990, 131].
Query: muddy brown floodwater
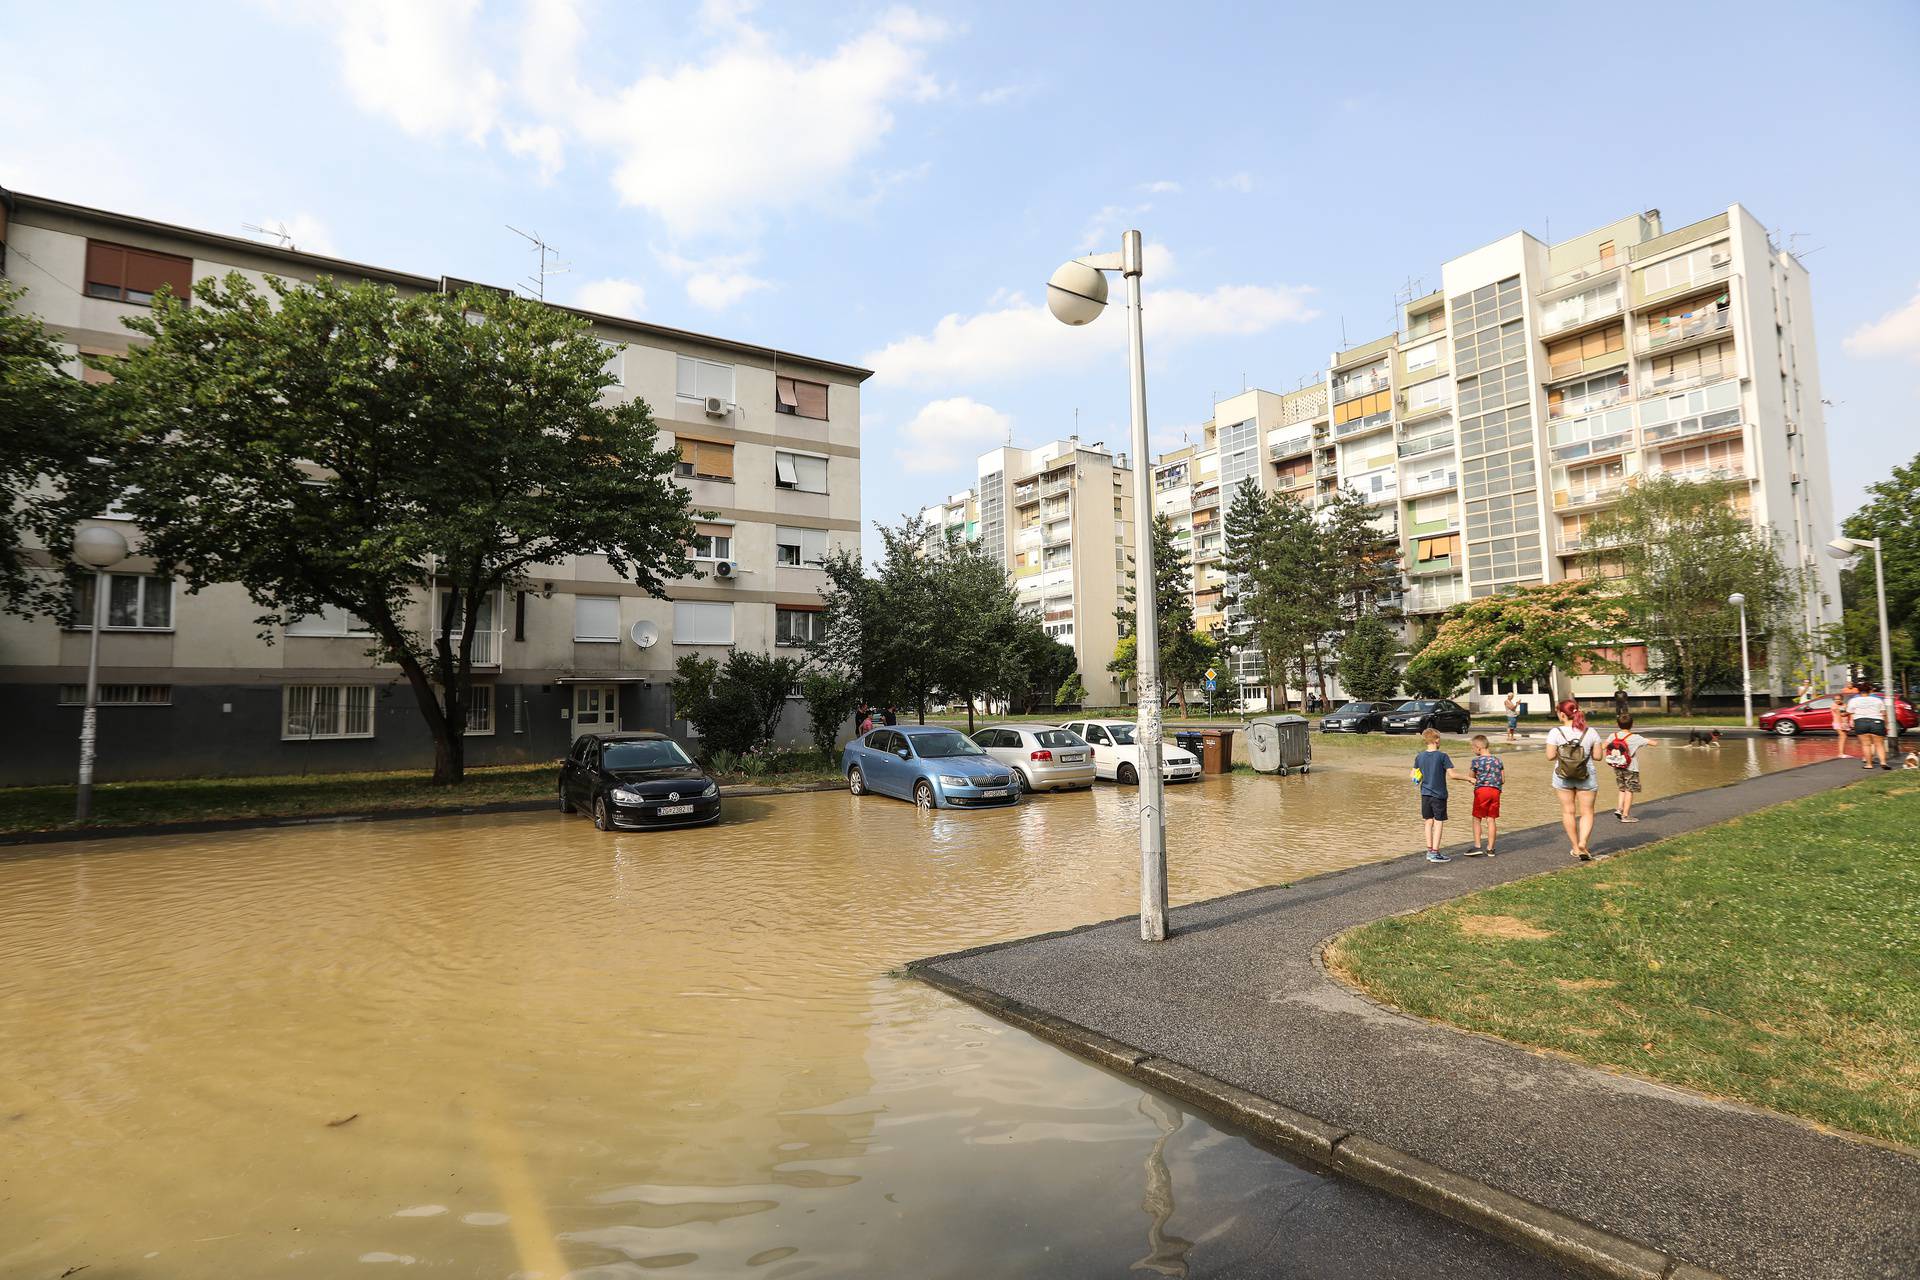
[515, 1045]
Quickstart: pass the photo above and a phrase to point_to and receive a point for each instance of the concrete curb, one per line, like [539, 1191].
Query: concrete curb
[72, 835]
[1580, 1246]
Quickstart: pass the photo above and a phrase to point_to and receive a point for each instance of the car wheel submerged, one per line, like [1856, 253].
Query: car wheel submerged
[1020, 782]
[566, 805]
[1786, 728]
[923, 794]
[602, 817]
[1127, 776]
[856, 781]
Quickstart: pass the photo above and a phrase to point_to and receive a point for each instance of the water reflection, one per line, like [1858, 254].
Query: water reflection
[519, 1045]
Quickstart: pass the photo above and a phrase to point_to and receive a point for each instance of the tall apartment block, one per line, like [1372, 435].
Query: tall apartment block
[768, 442]
[958, 517]
[1060, 519]
[1518, 401]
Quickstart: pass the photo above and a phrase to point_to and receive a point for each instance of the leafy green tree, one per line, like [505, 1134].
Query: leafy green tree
[980, 622]
[1031, 664]
[1685, 550]
[1436, 675]
[1361, 561]
[1071, 693]
[1370, 660]
[48, 436]
[1892, 515]
[1275, 562]
[338, 445]
[831, 700]
[737, 706]
[1523, 634]
[1184, 653]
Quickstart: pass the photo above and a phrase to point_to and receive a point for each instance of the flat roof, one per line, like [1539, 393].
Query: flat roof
[20, 201]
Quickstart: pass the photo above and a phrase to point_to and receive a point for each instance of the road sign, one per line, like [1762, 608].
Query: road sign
[1209, 683]
[1212, 674]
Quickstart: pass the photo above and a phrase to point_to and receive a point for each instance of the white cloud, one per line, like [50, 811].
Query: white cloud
[419, 64]
[1162, 187]
[1022, 339]
[1896, 333]
[715, 283]
[611, 297]
[1241, 182]
[947, 433]
[1102, 233]
[541, 143]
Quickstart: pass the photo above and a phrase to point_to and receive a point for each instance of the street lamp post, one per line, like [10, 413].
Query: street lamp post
[1746, 667]
[1076, 294]
[1845, 549]
[99, 548]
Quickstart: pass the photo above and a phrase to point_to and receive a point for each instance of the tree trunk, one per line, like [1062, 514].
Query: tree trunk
[969, 713]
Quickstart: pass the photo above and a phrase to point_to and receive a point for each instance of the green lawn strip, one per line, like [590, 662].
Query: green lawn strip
[1773, 959]
[124, 804]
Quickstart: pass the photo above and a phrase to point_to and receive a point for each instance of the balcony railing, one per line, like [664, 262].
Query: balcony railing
[1560, 317]
[1577, 365]
[1586, 497]
[1025, 493]
[1290, 446]
[1293, 479]
[1594, 446]
[1426, 599]
[1592, 403]
[1372, 422]
[1431, 483]
[1699, 424]
[1359, 384]
[1410, 411]
[1426, 444]
[1704, 474]
[1048, 487]
[1326, 469]
[486, 648]
[1588, 271]
[1653, 338]
[1667, 383]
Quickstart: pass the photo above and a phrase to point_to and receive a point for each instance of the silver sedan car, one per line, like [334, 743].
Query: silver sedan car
[1042, 757]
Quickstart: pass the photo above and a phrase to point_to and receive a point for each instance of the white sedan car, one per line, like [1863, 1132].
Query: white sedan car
[1116, 755]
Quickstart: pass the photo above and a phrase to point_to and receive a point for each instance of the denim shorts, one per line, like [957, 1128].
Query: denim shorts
[1591, 784]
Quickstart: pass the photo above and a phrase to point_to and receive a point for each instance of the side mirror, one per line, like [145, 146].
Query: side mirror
[904, 754]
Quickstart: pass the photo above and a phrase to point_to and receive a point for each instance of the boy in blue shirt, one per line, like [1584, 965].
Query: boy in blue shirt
[1431, 768]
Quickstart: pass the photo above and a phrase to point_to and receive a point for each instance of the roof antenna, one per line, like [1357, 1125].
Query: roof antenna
[277, 232]
[549, 263]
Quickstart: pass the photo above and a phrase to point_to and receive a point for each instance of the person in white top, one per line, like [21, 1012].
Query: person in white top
[1573, 753]
[1514, 708]
[1868, 711]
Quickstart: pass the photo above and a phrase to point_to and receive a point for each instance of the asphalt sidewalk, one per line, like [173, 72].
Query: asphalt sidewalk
[1611, 1175]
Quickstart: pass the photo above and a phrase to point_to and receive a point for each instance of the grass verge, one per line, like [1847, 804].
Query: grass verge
[1770, 959]
[134, 804]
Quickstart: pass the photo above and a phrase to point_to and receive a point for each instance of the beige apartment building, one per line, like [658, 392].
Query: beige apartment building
[768, 442]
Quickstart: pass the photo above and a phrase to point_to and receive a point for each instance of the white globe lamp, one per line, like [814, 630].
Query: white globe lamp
[1077, 294]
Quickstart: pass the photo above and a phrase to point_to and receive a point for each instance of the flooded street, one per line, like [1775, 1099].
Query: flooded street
[517, 1045]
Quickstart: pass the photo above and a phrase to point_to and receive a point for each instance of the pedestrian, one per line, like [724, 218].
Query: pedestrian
[1514, 706]
[1868, 712]
[1431, 768]
[1623, 753]
[1842, 718]
[1489, 776]
[866, 719]
[1806, 690]
[1571, 748]
[891, 718]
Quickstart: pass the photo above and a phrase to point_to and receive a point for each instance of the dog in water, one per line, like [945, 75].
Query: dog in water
[1703, 738]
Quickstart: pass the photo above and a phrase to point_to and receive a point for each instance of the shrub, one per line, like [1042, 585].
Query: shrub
[734, 708]
[831, 702]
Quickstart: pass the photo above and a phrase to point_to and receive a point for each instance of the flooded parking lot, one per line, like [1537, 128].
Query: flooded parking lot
[516, 1045]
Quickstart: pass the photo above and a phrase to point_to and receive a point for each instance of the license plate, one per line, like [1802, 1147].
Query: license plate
[669, 810]
[1076, 757]
[1001, 794]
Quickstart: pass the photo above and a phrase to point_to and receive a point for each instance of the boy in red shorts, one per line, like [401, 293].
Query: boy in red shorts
[1489, 776]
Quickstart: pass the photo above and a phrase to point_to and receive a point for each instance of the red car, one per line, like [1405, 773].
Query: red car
[1817, 717]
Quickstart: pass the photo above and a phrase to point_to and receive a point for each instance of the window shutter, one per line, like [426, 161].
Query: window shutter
[689, 452]
[146, 272]
[784, 470]
[788, 397]
[714, 530]
[716, 461]
[812, 399]
[106, 266]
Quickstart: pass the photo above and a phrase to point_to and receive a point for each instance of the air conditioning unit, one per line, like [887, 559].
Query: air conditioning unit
[716, 407]
[1719, 259]
[726, 569]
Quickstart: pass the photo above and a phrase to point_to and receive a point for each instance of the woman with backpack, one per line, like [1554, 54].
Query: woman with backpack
[1571, 749]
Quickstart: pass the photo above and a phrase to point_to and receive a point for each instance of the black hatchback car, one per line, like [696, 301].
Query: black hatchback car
[1355, 717]
[636, 781]
[1428, 713]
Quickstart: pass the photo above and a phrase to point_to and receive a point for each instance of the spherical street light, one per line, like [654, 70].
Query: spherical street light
[1845, 548]
[99, 546]
[1736, 599]
[1077, 293]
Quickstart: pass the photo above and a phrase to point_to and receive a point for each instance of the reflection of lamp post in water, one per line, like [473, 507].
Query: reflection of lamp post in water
[1166, 1254]
[100, 548]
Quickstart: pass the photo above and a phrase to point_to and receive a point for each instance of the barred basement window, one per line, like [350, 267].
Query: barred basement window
[119, 695]
[327, 711]
[480, 709]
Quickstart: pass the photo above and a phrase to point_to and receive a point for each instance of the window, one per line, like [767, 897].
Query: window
[799, 626]
[1705, 263]
[801, 399]
[119, 695]
[135, 602]
[596, 619]
[701, 622]
[1440, 548]
[1427, 395]
[713, 542]
[330, 621]
[480, 709]
[703, 459]
[700, 379]
[1587, 395]
[134, 275]
[806, 472]
[1424, 356]
[799, 547]
[327, 711]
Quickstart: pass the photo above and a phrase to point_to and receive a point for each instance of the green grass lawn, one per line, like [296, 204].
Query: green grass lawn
[125, 804]
[1773, 959]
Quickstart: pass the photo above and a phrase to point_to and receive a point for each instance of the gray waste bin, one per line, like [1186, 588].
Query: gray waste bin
[1279, 744]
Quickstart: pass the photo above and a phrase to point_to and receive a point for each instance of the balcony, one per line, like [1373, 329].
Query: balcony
[1667, 383]
[1561, 370]
[1430, 483]
[1356, 385]
[1714, 423]
[1681, 331]
[1435, 598]
[1719, 472]
[1207, 499]
[1586, 271]
[1591, 402]
[1293, 480]
[1437, 565]
[1360, 426]
[1560, 317]
[1327, 469]
[1050, 487]
[1290, 446]
[1025, 493]
[1411, 412]
[486, 648]
[1426, 444]
[1570, 499]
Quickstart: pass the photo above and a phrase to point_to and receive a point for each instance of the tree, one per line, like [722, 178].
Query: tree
[1370, 660]
[1275, 574]
[1031, 664]
[980, 619]
[1685, 549]
[1436, 675]
[1184, 653]
[1071, 693]
[1361, 560]
[1523, 634]
[735, 707]
[338, 445]
[1892, 515]
[48, 436]
[831, 701]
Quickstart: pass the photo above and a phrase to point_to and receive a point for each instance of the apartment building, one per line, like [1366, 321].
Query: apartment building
[1517, 402]
[1060, 519]
[956, 518]
[768, 442]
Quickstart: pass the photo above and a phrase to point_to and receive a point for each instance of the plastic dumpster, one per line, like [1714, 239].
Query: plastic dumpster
[1189, 740]
[1216, 750]
[1279, 744]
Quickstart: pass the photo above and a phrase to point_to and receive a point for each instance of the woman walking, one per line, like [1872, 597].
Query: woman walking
[1571, 748]
[1868, 711]
[1842, 719]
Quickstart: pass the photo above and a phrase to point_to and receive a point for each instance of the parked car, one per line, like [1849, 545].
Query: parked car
[634, 781]
[1116, 755]
[933, 766]
[1355, 717]
[1427, 713]
[1817, 717]
[1042, 758]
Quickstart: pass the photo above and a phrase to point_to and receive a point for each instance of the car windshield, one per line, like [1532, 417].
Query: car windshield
[1417, 706]
[1122, 734]
[653, 753]
[1057, 738]
[943, 745]
[1359, 708]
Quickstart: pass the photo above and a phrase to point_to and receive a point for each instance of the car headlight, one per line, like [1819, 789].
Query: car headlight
[623, 796]
[713, 789]
[954, 780]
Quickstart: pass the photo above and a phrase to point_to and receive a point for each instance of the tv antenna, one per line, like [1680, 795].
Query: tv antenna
[277, 232]
[547, 262]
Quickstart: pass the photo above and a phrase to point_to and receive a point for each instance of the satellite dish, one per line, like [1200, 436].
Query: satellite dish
[645, 634]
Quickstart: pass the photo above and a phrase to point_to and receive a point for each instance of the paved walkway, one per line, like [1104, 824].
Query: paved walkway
[1618, 1176]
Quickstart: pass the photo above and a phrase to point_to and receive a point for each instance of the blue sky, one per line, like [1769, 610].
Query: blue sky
[892, 186]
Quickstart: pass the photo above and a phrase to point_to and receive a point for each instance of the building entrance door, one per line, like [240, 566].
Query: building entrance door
[596, 708]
